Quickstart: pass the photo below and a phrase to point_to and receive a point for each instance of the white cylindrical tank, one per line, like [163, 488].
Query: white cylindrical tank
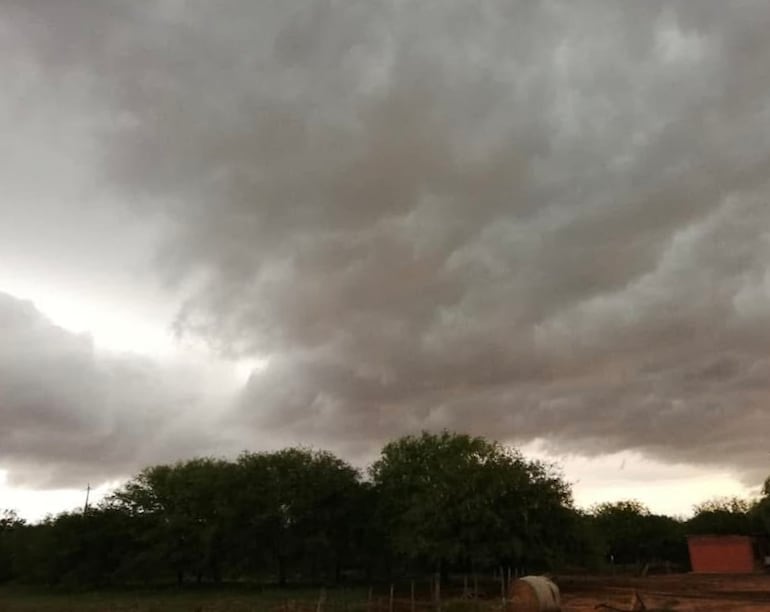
[534, 594]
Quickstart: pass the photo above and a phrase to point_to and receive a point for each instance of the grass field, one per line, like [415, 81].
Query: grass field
[167, 600]
[229, 600]
[672, 593]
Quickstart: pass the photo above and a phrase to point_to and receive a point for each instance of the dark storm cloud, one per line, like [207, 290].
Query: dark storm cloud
[529, 220]
[69, 415]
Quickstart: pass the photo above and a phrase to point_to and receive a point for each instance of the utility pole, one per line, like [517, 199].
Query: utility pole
[88, 493]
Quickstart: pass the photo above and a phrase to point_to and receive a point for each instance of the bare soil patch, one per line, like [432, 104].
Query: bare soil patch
[680, 592]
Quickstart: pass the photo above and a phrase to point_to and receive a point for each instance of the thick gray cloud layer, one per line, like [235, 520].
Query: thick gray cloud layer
[519, 219]
[69, 415]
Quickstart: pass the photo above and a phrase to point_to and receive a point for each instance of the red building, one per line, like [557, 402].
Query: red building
[724, 554]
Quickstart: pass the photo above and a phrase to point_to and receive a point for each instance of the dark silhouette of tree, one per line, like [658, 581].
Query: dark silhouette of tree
[448, 499]
[10, 527]
[431, 502]
[722, 516]
[298, 509]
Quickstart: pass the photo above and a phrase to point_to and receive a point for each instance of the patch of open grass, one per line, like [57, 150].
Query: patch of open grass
[16, 599]
[194, 600]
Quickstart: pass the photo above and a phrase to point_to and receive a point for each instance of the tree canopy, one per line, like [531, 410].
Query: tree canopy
[430, 502]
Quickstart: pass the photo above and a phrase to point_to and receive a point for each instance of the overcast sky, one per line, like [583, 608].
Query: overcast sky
[235, 224]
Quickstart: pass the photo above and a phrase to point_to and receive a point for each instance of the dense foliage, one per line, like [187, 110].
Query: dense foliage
[430, 503]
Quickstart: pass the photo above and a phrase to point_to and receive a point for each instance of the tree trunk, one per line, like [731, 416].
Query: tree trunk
[443, 570]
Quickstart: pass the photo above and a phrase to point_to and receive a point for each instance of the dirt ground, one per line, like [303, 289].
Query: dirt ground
[668, 593]
[680, 592]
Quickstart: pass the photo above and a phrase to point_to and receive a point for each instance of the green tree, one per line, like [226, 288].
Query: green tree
[187, 512]
[10, 528]
[622, 525]
[633, 535]
[583, 544]
[760, 511]
[75, 549]
[298, 508]
[455, 499]
[722, 516]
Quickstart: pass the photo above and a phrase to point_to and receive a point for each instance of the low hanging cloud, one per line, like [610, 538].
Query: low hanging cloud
[69, 415]
[524, 220]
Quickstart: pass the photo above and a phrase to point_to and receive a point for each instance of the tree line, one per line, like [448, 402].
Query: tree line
[430, 503]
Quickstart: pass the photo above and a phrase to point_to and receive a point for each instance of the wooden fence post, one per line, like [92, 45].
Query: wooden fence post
[502, 588]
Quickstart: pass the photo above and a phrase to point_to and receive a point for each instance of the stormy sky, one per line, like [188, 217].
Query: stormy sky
[236, 224]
